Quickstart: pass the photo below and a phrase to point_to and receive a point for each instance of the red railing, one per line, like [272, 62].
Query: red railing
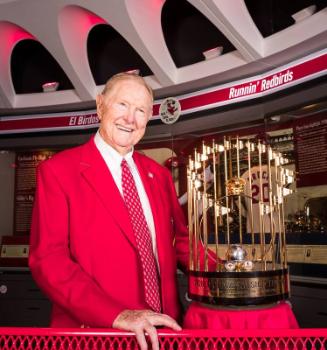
[104, 339]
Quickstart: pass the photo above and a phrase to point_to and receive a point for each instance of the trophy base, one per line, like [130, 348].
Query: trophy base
[239, 288]
[238, 307]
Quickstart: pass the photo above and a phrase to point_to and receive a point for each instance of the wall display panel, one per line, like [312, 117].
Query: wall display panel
[25, 183]
[311, 150]
[7, 185]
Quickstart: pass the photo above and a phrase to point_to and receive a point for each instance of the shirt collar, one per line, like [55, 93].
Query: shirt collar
[110, 153]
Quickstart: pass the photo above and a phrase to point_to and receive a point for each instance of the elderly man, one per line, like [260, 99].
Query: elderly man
[107, 229]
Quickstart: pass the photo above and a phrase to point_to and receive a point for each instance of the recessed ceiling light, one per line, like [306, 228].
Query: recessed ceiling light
[50, 87]
[305, 13]
[213, 53]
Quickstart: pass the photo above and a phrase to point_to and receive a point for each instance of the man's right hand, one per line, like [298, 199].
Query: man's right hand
[141, 321]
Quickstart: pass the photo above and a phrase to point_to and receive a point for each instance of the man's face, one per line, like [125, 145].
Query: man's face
[124, 112]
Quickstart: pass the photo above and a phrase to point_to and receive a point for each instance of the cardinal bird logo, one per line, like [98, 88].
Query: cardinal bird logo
[170, 110]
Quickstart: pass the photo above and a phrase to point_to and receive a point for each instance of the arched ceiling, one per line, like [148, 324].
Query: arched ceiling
[164, 39]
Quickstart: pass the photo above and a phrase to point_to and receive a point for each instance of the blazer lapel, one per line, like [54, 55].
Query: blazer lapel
[95, 171]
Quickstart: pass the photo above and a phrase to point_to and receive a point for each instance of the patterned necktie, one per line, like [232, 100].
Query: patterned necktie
[143, 238]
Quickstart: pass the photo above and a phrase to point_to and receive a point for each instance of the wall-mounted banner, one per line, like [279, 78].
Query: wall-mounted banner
[270, 82]
[50, 122]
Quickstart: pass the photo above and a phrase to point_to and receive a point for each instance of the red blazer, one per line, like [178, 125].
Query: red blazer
[83, 252]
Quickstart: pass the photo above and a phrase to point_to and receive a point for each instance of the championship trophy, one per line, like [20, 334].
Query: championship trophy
[236, 194]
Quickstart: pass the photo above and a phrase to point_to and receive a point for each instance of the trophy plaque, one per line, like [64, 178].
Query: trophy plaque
[236, 194]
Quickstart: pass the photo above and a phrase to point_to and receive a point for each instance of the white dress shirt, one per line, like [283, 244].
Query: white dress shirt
[113, 160]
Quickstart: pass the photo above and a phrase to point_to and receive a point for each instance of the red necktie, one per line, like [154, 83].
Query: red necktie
[143, 238]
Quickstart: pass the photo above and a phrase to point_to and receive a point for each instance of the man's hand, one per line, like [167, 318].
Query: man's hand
[140, 321]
